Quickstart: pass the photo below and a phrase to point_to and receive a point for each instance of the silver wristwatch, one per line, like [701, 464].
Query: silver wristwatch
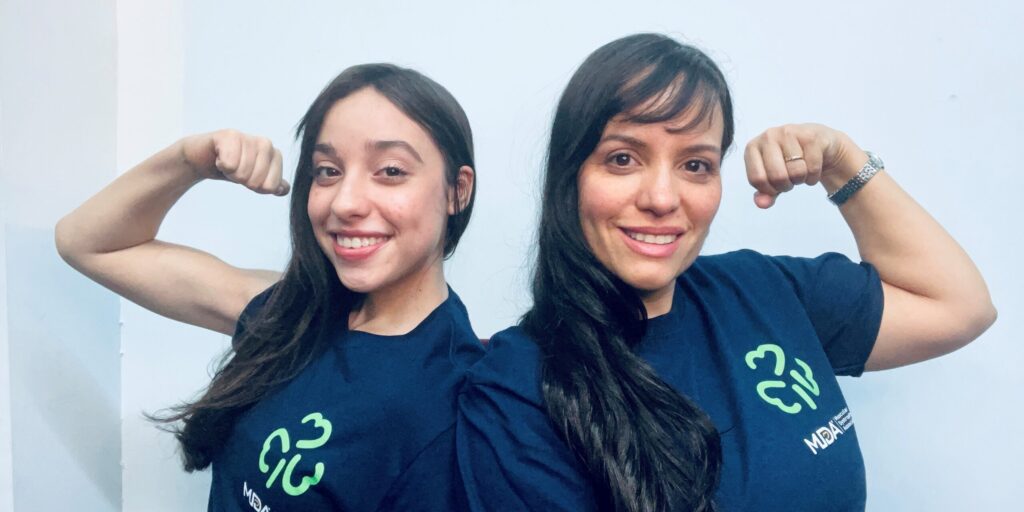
[873, 165]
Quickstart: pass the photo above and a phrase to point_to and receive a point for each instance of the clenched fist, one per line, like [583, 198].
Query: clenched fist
[238, 157]
[789, 155]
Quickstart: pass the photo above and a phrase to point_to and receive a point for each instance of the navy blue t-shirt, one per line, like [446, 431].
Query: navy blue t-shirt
[755, 341]
[368, 425]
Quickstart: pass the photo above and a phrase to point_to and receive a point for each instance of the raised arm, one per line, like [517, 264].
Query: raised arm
[111, 238]
[936, 300]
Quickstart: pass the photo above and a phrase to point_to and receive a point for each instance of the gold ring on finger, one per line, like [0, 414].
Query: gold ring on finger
[794, 158]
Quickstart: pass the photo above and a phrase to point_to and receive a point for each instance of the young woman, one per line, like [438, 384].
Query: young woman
[339, 393]
[646, 377]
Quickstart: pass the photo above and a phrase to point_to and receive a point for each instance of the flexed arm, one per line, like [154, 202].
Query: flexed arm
[936, 300]
[111, 237]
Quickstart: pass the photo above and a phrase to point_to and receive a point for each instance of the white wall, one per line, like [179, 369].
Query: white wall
[933, 88]
[59, 441]
[6, 465]
[150, 111]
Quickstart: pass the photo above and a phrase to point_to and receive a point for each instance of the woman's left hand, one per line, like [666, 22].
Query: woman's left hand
[935, 299]
[789, 155]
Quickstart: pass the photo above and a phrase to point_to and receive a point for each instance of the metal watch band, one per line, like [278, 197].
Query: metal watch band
[873, 165]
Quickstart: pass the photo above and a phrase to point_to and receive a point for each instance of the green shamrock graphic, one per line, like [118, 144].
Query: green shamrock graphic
[804, 381]
[284, 439]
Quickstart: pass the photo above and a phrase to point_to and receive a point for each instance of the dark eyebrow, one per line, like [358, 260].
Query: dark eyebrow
[711, 148]
[376, 145]
[627, 139]
[383, 145]
[643, 145]
[325, 148]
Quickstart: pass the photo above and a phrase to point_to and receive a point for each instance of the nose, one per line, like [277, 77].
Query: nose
[659, 191]
[351, 198]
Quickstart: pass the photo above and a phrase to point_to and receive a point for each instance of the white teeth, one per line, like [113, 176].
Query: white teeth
[358, 242]
[652, 239]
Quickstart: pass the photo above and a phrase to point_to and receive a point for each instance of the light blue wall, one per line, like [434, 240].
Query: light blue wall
[933, 88]
[57, 146]
[65, 385]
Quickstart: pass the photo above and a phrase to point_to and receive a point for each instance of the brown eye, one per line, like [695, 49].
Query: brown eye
[698, 166]
[393, 172]
[621, 159]
[324, 174]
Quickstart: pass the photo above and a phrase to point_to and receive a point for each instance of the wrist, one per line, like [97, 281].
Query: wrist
[849, 165]
[867, 171]
[189, 152]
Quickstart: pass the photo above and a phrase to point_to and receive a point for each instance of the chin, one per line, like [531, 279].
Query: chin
[358, 284]
[644, 284]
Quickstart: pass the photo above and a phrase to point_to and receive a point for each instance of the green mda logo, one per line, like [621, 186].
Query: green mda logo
[286, 469]
[804, 387]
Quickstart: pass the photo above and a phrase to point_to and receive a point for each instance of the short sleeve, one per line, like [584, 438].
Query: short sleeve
[510, 456]
[249, 312]
[844, 303]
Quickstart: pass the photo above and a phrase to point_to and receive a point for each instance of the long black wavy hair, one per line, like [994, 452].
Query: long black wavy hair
[286, 334]
[644, 446]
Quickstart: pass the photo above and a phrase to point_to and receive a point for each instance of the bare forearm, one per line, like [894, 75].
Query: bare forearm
[908, 247]
[935, 300]
[128, 212]
[111, 238]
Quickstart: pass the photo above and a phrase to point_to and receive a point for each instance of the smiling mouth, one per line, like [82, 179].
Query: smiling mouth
[358, 242]
[651, 239]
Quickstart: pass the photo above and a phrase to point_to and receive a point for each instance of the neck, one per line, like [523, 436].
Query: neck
[400, 307]
[658, 302]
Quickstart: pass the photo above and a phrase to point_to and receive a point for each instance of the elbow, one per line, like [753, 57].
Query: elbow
[985, 318]
[977, 319]
[984, 311]
[63, 237]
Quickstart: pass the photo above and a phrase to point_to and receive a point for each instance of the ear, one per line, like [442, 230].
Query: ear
[464, 183]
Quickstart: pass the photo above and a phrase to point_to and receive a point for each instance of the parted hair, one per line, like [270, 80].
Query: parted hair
[644, 446]
[281, 338]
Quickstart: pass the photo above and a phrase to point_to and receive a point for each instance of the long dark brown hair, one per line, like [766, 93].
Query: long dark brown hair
[285, 335]
[643, 445]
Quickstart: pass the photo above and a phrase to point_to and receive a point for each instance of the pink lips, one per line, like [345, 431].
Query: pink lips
[353, 254]
[649, 249]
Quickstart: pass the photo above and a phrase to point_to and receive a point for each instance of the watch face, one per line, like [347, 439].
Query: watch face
[875, 161]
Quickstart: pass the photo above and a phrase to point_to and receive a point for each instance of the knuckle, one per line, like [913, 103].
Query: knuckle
[798, 172]
[231, 134]
[779, 181]
[765, 186]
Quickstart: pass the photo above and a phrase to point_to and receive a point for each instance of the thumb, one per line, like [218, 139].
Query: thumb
[764, 201]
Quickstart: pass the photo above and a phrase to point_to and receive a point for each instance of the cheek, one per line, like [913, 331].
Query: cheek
[704, 205]
[317, 206]
[421, 210]
[599, 200]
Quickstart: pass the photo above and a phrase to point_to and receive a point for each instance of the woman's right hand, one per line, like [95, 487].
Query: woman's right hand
[111, 238]
[234, 156]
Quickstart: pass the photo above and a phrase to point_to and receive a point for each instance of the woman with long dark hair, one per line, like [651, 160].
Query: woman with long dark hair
[648, 378]
[338, 392]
